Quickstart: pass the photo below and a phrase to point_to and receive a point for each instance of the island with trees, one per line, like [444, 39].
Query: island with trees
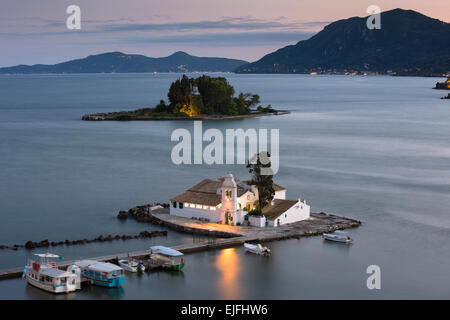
[202, 98]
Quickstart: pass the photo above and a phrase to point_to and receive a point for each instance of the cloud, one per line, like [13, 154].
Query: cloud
[226, 23]
[228, 39]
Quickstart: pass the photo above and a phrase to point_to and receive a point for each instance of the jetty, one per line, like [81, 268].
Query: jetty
[229, 236]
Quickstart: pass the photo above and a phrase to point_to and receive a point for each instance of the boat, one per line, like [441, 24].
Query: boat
[167, 258]
[338, 236]
[101, 273]
[257, 249]
[44, 274]
[131, 265]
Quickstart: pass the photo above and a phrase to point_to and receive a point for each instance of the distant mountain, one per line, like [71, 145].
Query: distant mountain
[120, 62]
[408, 43]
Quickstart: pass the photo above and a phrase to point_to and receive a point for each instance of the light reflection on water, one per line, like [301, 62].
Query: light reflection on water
[229, 264]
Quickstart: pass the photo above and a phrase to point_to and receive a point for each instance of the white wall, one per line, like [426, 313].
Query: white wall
[243, 200]
[187, 212]
[298, 212]
[256, 221]
[281, 194]
[240, 217]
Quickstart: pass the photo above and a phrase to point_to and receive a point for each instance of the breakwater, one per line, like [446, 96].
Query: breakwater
[100, 238]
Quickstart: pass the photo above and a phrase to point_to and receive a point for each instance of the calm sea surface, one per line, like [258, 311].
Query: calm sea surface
[371, 148]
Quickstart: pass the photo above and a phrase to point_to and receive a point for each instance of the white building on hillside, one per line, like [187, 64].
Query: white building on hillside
[228, 200]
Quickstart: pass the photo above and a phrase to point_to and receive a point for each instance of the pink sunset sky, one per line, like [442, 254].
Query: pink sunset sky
[35, 31]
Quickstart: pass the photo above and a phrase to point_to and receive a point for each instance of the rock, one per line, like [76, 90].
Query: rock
[122, 215]
[145, 234]
[100, 238]
[30, 245]
[43, 243]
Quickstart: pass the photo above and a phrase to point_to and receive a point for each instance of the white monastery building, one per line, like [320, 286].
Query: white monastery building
[228, 200]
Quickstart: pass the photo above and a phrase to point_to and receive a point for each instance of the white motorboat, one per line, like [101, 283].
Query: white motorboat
[44, 274]
[257, 249]
[131, 265]
[338, 236]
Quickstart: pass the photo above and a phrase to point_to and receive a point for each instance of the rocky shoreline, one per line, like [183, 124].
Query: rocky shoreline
[129, 116]
[142, 213]
[443, 85]
[46, 243]
[153, 213]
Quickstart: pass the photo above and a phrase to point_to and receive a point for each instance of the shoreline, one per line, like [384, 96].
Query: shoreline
[113, 116]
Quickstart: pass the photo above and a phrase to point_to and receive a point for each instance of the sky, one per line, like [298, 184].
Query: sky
[35, 31]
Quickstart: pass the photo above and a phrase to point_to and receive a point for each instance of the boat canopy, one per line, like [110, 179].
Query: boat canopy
[166, 251]
[47, 255]
[340, 232]
[55, 273]
[98, 266]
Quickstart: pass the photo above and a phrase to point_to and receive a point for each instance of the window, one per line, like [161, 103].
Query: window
[174, 204]
[180, 205]
[285, 215]
[212, 208]
[248, 197]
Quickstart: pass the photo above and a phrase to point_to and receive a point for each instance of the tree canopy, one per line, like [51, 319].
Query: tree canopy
[206, 95]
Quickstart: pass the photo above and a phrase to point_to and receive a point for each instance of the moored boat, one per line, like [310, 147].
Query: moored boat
[165, 257]
[44, 274]
[101, 273]
[338, 236]
[131, 265]
[257, 249]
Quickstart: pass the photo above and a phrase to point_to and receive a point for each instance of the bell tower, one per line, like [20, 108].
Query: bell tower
[229, 200]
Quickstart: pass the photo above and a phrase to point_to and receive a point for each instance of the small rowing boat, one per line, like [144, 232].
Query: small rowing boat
[338, 236]
[257, 249]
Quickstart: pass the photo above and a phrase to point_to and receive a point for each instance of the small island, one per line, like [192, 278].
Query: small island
[202, 98]
[443, 85]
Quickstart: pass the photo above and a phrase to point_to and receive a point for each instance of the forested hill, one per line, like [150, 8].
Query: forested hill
[408, 43]
[122, 63]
